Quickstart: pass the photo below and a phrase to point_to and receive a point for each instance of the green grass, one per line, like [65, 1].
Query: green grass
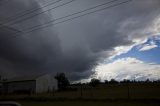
[136, 91]
[88, 103]
[109, 95]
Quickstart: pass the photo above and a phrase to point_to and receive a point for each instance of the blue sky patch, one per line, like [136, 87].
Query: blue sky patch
[148, 56]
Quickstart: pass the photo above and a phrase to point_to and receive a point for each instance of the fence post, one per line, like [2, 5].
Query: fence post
[81, 91]
[128, 93]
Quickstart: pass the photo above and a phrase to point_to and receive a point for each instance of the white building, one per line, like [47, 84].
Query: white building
[31, 84]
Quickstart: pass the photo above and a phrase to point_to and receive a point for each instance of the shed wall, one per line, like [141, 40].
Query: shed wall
[45, 84]
[20, 87]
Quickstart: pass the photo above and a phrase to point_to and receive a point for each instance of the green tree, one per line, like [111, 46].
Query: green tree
[63, 81]
[94, 82]
[113, 81]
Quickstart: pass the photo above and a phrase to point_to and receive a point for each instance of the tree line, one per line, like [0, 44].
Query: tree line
[63, 81]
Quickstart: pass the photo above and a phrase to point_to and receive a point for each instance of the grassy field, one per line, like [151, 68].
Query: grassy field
[89, 103]
[136, 91]
[108, 95]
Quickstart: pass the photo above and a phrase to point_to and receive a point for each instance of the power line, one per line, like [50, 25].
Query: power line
[80, 15]
[70, 19]
[29, 11]
[41, 13]
[10, 28]
[74, 13]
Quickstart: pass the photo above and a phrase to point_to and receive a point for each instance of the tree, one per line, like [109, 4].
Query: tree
[62, 80]
[147, 81]
[113, 81]
[94, 82]
[106, 81]
[126, 81]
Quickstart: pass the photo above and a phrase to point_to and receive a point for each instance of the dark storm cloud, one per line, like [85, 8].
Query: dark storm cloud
[40, 51]
[74, 48]
[28, 53]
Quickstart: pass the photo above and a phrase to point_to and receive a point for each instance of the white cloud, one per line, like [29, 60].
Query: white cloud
[148, 47]
[128, 68]
[119, 50]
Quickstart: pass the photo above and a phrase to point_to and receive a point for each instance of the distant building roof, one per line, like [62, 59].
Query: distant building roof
[23, 78]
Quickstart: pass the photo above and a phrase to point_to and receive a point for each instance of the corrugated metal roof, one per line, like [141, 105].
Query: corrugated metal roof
[24, 78]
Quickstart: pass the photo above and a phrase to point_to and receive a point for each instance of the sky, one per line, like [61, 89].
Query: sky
[140, 62]
[105, 44]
